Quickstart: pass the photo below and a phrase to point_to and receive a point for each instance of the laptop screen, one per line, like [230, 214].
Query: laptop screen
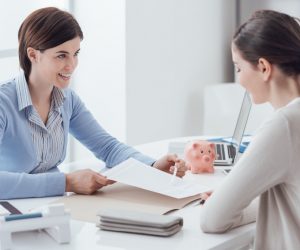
[242, 120]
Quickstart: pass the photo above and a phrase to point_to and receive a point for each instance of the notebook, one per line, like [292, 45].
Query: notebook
[227, 149]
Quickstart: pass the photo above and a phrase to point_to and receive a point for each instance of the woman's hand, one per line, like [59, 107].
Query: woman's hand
[204, 197]
[168, 162]
[85, 181]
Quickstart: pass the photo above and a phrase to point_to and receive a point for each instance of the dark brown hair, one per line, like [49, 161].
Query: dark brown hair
[271, 35]
[44, 29]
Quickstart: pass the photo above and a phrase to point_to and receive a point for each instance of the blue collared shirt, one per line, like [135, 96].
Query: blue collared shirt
[21, 172]
[48, 139]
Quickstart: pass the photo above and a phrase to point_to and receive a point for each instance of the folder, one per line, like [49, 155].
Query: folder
[118, 195]
[139, 188]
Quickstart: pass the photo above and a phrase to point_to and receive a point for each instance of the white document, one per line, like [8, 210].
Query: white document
[138, 174]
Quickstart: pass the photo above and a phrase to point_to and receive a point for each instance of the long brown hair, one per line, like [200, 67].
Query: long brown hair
[44, 29]
[272, 35]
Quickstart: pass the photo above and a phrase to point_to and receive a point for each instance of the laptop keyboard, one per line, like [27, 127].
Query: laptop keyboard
[220, 149]
[231, 151]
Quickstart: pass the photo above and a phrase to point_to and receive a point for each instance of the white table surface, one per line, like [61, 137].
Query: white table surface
[88, 236]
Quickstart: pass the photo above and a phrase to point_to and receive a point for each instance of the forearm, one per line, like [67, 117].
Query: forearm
[22, 185]
[217, 225]
[248, 215]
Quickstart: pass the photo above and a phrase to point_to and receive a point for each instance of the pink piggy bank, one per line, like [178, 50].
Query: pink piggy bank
[200, 156]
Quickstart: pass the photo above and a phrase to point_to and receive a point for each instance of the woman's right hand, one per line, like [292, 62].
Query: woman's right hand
[85, 181]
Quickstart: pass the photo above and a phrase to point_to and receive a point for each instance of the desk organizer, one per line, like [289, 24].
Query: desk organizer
[53, 219]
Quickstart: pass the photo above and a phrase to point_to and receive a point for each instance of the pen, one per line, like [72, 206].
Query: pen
[174, 174]
[202, 201]
[22, 216]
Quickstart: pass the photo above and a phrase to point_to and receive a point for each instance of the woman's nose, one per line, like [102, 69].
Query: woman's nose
[71, 64]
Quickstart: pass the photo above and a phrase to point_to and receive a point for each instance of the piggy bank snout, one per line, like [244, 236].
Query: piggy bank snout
[206, 158]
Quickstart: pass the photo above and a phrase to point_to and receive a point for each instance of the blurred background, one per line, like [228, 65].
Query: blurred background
[146, 67]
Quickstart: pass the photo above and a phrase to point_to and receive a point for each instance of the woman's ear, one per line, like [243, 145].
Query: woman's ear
[32, 54]
[265, 68]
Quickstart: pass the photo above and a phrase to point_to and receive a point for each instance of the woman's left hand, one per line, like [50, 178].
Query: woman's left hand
[168, 162]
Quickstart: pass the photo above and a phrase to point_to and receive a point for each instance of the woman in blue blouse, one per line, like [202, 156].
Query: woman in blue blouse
[37, 111]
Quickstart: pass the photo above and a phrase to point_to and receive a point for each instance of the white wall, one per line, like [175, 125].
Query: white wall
[12, 13]
[100, 76]
[173, 49]
[291, 7]
[144, 64]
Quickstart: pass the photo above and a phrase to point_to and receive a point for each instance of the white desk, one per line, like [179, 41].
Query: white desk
[88, 236]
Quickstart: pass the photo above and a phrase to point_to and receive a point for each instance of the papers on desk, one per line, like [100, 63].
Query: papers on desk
[135, 173]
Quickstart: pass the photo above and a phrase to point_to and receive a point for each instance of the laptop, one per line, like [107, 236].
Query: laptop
[227, 150]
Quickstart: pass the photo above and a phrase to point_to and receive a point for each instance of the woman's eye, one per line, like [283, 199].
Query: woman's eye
[61, 56]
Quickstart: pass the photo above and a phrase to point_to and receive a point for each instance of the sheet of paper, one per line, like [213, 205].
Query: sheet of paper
[135, 173]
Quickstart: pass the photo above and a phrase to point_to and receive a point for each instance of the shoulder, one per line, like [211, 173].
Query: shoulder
[8, 99]
[8, 94]
[71, 98]
[72, 103]
[8, 88]
[285, 117]
[281, 130]
[284, 120]
[291, 111]
[290, 118]
[273, 132]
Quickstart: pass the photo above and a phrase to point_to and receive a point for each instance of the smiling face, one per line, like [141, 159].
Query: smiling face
[252, 78]
[54, 66]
